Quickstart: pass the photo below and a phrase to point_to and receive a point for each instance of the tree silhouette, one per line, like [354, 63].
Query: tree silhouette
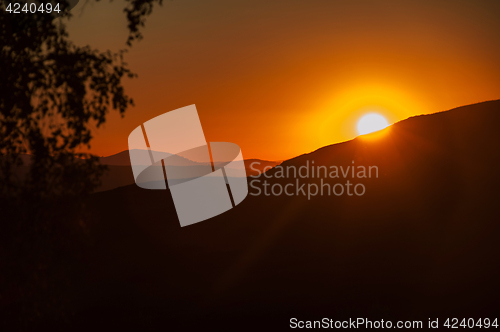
[52, 92]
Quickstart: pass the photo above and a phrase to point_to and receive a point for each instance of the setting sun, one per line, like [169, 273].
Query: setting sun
[370, 123]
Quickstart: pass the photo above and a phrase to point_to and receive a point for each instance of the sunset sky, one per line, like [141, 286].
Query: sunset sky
[282, 78]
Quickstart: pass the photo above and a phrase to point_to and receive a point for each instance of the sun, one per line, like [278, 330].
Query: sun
[370, 123]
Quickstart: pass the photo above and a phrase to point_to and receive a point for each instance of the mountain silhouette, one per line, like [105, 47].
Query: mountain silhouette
[422, 242]
[123, 159]
[119, 172]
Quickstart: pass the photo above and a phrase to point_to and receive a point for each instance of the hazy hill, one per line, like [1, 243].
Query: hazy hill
[123, 159]
[421, 243]
[119, 172]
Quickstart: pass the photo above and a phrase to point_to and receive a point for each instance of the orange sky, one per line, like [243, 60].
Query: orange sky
[282, 78]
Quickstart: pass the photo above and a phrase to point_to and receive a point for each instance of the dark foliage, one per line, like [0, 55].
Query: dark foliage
[52, 94]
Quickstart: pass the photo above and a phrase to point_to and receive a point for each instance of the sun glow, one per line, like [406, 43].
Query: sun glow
[370, 123]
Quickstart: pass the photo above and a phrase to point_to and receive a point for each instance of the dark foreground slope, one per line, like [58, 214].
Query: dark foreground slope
[423, 242]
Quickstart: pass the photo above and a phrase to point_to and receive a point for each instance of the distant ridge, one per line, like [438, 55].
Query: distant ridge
[123, 159]
[119, 172]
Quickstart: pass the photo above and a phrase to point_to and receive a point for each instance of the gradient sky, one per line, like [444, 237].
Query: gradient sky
[281, 78]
